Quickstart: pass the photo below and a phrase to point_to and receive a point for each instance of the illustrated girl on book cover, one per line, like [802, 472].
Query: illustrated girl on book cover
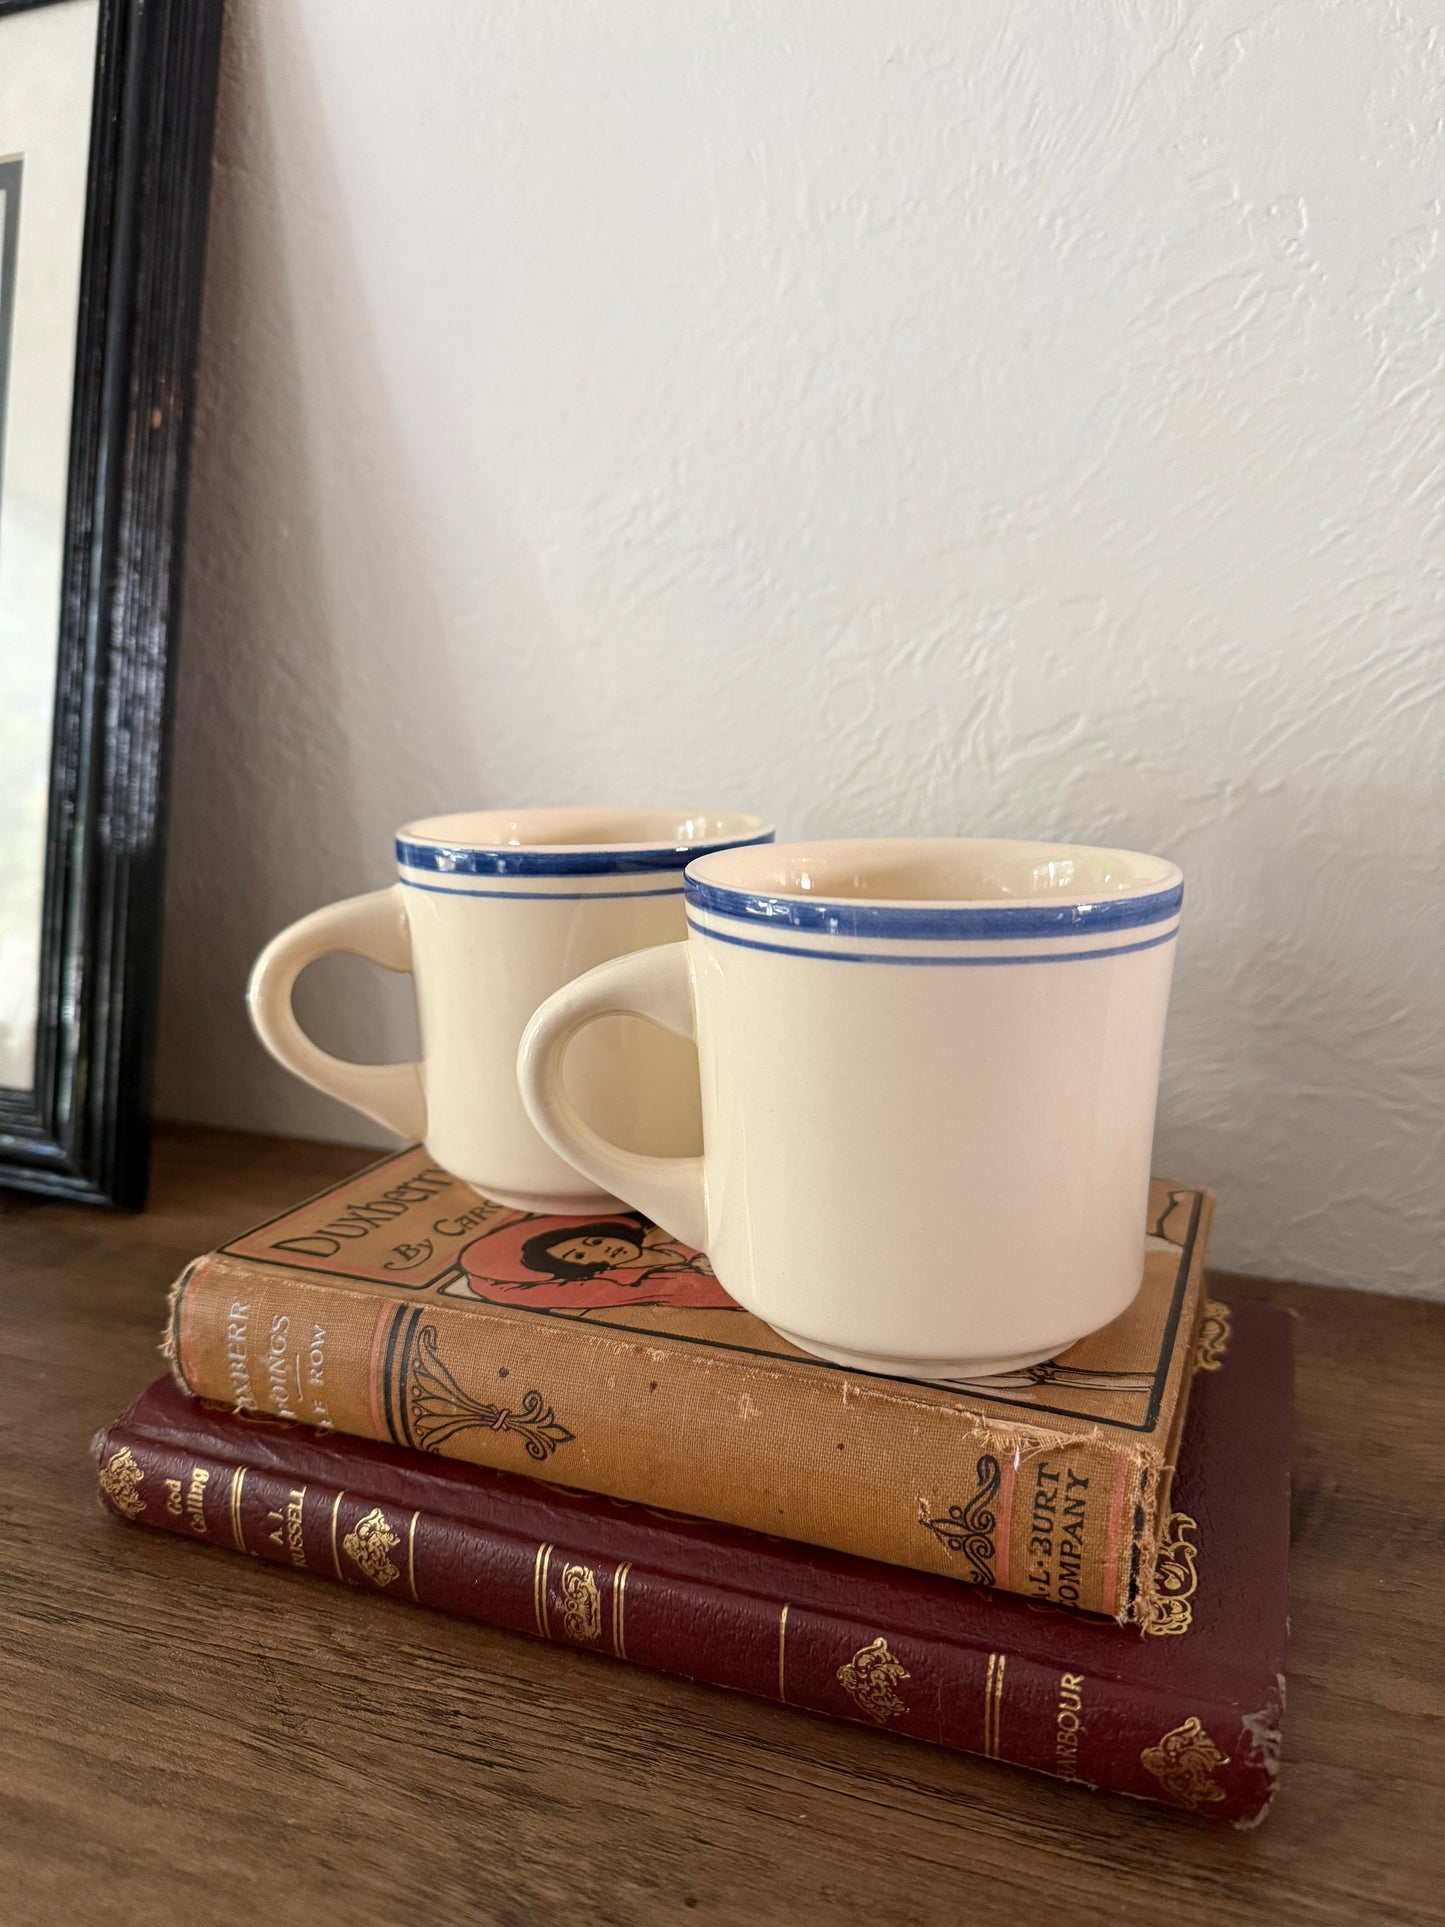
[572, 1264]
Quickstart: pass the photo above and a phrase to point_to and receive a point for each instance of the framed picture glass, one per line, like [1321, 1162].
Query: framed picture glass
[105, 129]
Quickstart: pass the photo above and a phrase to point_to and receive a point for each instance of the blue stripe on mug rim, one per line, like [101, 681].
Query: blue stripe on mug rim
[953, 959]
[1022, 918]
[541, 896]
[538, 860]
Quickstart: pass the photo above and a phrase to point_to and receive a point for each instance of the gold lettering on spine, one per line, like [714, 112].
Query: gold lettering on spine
[277, 1367]
[295, 1525]
[411, 1557]
[196, 1498]
[993, 1703]
[1068, 1725]
[335, 1555]
[238, 1479]
[783, 1656]
[287, 1530]
[619, 1600]
[539, 1589]
[237, 1367]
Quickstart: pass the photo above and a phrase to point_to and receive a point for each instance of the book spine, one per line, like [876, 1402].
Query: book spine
[1050, 1718]
[798, 1455]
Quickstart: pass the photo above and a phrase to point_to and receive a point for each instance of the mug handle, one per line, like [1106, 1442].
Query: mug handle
[657, 984]
[374, 927]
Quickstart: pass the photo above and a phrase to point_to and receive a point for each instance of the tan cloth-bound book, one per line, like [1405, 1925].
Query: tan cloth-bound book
[602, 1355]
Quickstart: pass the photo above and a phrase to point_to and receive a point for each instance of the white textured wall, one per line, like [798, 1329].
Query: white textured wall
[917, 417]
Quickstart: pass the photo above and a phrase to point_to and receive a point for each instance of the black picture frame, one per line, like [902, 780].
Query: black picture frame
[83, 1130]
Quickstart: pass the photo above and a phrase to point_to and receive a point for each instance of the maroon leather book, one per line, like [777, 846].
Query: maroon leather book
[1187, 1713]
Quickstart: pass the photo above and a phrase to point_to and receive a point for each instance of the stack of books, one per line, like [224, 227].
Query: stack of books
[565, 1427]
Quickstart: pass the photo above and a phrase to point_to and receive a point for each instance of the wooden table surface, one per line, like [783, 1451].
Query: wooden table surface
[190, 1737]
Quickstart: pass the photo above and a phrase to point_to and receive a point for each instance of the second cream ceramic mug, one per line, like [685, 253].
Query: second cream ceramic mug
[929, 1073]
[494, 910]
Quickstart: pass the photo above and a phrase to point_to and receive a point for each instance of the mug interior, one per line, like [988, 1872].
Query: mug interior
[956, 871]
[565, 830]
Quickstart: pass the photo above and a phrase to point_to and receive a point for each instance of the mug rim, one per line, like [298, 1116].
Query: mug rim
[666, 839]
[735, 886]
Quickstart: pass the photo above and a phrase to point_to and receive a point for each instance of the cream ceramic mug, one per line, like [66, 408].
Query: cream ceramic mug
[929, 1072]
[494, 911]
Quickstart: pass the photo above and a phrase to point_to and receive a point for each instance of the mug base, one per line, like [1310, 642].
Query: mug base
[930, 1371]
[553, 1204]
